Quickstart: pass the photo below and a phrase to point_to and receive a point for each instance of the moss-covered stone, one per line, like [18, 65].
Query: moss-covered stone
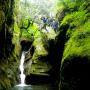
[76, 59]
[38, 53]
[2, 17]
[9, 53]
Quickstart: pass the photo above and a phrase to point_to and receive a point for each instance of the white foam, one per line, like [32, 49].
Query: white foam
[22, 85]
[21, 67]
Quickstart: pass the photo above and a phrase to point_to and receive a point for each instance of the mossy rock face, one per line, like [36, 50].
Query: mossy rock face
[37, 64]
[75, 63]
[23, 23]
[2, 17]
[9, 52]
[8, 74]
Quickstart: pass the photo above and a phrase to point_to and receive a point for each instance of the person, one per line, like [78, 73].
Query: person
[44, 23]
[55, 25]
[49, 21]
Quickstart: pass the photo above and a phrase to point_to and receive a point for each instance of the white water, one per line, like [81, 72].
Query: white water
[21, 67]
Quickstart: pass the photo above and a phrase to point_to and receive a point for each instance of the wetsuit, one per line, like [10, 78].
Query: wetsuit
[44, 24]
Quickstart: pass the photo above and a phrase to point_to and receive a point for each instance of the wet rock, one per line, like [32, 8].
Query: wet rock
[8, 55]
[75, 61]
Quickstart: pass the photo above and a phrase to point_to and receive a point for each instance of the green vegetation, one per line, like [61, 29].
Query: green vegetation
[54, 52]
[76, 15]
[8, 54]
[79, 29]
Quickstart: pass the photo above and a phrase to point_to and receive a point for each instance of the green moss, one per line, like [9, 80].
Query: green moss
[40, 50]
[2, 17]
[9, 37]
[75, 18]
[8, 73]
[40, 68]
[16, 29]
[78, 44]
[30, 33]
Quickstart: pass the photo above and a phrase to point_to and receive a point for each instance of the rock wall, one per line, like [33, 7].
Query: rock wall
[75, 62]
[8, 55]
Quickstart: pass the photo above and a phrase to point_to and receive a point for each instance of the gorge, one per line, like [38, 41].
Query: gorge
[44, 44]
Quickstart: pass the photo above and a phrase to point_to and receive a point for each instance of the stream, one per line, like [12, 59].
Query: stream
[34, 87]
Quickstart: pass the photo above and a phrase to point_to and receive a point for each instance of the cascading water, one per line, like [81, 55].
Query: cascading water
[21, 67]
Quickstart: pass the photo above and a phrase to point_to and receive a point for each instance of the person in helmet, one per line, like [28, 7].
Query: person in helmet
[55, 25]
[44, 23]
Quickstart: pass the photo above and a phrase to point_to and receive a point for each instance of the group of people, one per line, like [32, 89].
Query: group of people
[54, 24]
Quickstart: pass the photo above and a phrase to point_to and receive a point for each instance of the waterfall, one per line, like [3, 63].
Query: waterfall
[21, 67]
